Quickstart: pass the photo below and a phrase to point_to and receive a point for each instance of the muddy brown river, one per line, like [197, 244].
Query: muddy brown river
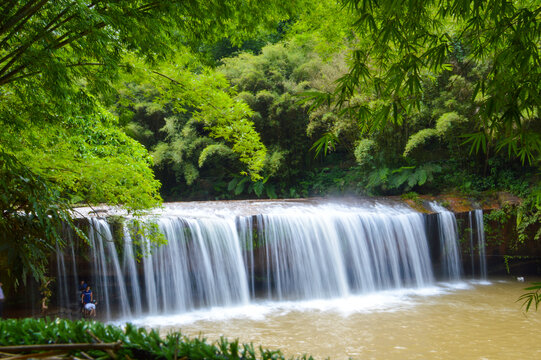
[466, 320]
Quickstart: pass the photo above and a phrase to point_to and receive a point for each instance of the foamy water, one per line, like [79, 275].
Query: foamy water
[382, 301]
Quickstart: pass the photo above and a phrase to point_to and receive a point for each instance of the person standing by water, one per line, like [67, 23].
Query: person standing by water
[2, 299]
[87, 300]
[82, 286]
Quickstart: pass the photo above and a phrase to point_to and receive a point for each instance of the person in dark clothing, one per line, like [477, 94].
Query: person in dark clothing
[82, 286]
[87, 300]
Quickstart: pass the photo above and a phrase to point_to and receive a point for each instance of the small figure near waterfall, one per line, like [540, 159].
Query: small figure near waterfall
[87, 300]
[2, 299]
[82, 286]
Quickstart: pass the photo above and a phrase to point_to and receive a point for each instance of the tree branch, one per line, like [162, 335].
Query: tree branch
[2, 82]
[16, 54]
[70, 17]
[6, 78]
[7, 22]
[78, 36]
[148, 6]
[41, 34]
[26, 10]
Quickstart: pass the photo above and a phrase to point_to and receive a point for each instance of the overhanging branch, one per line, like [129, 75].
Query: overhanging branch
[3, 81]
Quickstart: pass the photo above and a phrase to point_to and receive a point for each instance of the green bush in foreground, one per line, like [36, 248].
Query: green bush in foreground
[137, 343]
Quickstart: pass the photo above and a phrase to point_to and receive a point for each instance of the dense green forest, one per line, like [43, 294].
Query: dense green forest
[131, 102]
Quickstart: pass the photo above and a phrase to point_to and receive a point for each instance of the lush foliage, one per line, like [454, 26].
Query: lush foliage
[58, 64]
[87, 158]
[71, 38]
[423, 148]
[190, 125]
[192, 122]
[30, 207]
[412, 40]
[270, 83]
[137, 343]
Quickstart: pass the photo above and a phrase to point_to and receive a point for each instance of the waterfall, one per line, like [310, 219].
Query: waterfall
[336, 253]
[130, 271]
[66, 281]
[245, 226]
[472, 257]
[477, 232]
[62, 279]
[449, 245]
[200, 266]
[480, 232]
[235, 253]
[107, 277]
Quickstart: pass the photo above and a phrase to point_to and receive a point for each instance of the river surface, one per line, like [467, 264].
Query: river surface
[464, 320]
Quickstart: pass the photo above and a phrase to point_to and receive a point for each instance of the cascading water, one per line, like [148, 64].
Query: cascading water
[201, 266]
[108, 278]
[480, 231]
[470, 219]
[240, 252]
[130, 271]
[64, 283]
[449, 245]
[333, 252]
[477, 232]
[62, 291]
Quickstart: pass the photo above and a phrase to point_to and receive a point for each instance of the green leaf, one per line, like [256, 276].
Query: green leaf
[422, 176]
[240, 186]
[232, 184]
[271, 192]
[326, 143]
[258, 188]
[477, 140]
